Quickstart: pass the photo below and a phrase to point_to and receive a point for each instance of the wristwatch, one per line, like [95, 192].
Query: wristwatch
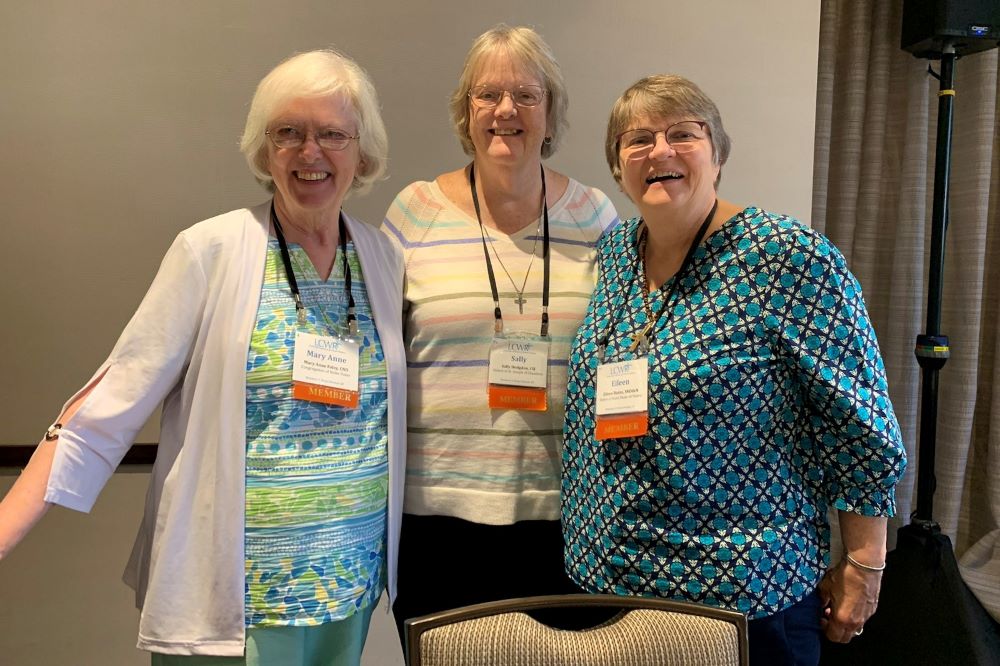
[52, 433]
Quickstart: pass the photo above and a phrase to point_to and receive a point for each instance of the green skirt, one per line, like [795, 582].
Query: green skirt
[331, 644]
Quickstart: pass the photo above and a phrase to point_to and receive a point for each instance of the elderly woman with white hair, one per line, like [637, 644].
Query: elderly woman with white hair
[272, 337]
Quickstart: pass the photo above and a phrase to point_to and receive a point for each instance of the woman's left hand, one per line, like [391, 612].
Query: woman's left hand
[850, 597]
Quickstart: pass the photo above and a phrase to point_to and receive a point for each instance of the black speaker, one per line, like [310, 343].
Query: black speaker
[968, 25]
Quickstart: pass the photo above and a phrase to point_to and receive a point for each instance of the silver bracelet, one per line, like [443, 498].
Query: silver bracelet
[863, 567]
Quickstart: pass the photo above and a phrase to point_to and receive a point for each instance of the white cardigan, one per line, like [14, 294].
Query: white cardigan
[186, 346]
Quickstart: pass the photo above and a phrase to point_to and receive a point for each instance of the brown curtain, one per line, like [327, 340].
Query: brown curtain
[872, 196]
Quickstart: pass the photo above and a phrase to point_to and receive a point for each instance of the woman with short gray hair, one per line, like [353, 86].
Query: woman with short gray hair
[726, 390]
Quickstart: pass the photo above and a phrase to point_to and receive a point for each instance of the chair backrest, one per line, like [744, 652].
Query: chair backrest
[647, 632]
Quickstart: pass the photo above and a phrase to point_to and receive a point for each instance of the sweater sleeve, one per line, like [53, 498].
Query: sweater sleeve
[397, 217]
[145, 364]
[824, 329]
[606, 210]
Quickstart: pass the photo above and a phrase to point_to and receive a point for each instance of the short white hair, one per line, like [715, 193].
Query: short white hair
[322, 73]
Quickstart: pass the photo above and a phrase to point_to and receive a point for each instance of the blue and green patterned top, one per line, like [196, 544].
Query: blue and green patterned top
[317, 474]
[768, 404]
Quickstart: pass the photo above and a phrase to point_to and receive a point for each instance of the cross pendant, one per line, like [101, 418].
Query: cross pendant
[520, 300]
[639, 337]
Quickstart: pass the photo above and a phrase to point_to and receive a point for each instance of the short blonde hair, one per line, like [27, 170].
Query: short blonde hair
[323, 73]
[663, 96]
[526, 48]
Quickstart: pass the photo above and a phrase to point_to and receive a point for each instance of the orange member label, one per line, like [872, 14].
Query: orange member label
[622, 425]
[518, 397]
[324, 394]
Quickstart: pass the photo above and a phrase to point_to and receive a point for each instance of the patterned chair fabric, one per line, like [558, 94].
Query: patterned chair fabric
[648, 632]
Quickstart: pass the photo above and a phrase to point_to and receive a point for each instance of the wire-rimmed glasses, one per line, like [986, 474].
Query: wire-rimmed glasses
[486, 96]
[683, 137]
[291, 136]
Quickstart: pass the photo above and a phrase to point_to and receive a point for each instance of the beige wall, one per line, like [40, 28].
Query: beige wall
[119, 122]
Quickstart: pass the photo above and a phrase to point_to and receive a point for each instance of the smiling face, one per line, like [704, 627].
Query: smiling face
[311, 181]
[663, 177]
[507, 133]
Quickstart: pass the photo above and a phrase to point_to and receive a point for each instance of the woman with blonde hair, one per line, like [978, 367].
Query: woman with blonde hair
[499, 267]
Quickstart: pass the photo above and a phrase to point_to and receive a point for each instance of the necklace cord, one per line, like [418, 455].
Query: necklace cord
[293, 284]
[497, 314]
[642, 335]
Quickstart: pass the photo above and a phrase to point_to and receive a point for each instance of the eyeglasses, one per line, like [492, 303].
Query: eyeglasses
[683, 137]
[486, 96]
[290, 136]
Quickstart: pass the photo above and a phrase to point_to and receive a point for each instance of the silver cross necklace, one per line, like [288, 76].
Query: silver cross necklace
[520, 300]
[543, 226]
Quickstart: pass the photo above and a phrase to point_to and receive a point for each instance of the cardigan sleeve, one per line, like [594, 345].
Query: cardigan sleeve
[145, 364]
[821, 320]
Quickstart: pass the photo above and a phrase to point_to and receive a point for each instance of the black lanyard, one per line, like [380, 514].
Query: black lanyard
[300, 308]
[644, 332]
[497, 316]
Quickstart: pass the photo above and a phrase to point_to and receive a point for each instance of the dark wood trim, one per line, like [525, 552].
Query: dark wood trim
[18, 455]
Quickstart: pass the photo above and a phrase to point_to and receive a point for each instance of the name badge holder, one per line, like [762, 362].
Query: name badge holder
[622, 406]
[518, 373]
[519, 362]
[623, 399]
[325, 368]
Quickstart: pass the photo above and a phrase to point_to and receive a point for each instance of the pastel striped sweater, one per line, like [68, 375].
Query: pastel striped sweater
[463, 459]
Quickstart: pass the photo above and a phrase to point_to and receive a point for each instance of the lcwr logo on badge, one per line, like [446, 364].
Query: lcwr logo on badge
[325, 369]
[622, 400]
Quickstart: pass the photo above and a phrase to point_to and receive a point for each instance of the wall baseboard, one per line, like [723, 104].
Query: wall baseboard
[17, 455]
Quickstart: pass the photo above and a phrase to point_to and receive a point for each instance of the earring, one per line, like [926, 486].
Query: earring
[548, 140]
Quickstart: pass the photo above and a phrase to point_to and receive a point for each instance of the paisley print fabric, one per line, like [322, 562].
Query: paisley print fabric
[768, 406]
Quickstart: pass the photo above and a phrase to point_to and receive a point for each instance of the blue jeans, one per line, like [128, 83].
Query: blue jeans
[788, 638]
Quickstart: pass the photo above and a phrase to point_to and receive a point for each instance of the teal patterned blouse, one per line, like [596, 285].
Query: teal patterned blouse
[316, 474]
[768, 405]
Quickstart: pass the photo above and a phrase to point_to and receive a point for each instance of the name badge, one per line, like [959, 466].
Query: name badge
[623, 399]
[325, 369]
[518, 375]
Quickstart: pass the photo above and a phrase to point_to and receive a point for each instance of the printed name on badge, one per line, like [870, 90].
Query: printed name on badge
[518, 374]
[622, 399]
[325, 369]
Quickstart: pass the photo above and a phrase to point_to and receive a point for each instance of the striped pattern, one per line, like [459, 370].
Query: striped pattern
[317, 475]
[464, 460]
